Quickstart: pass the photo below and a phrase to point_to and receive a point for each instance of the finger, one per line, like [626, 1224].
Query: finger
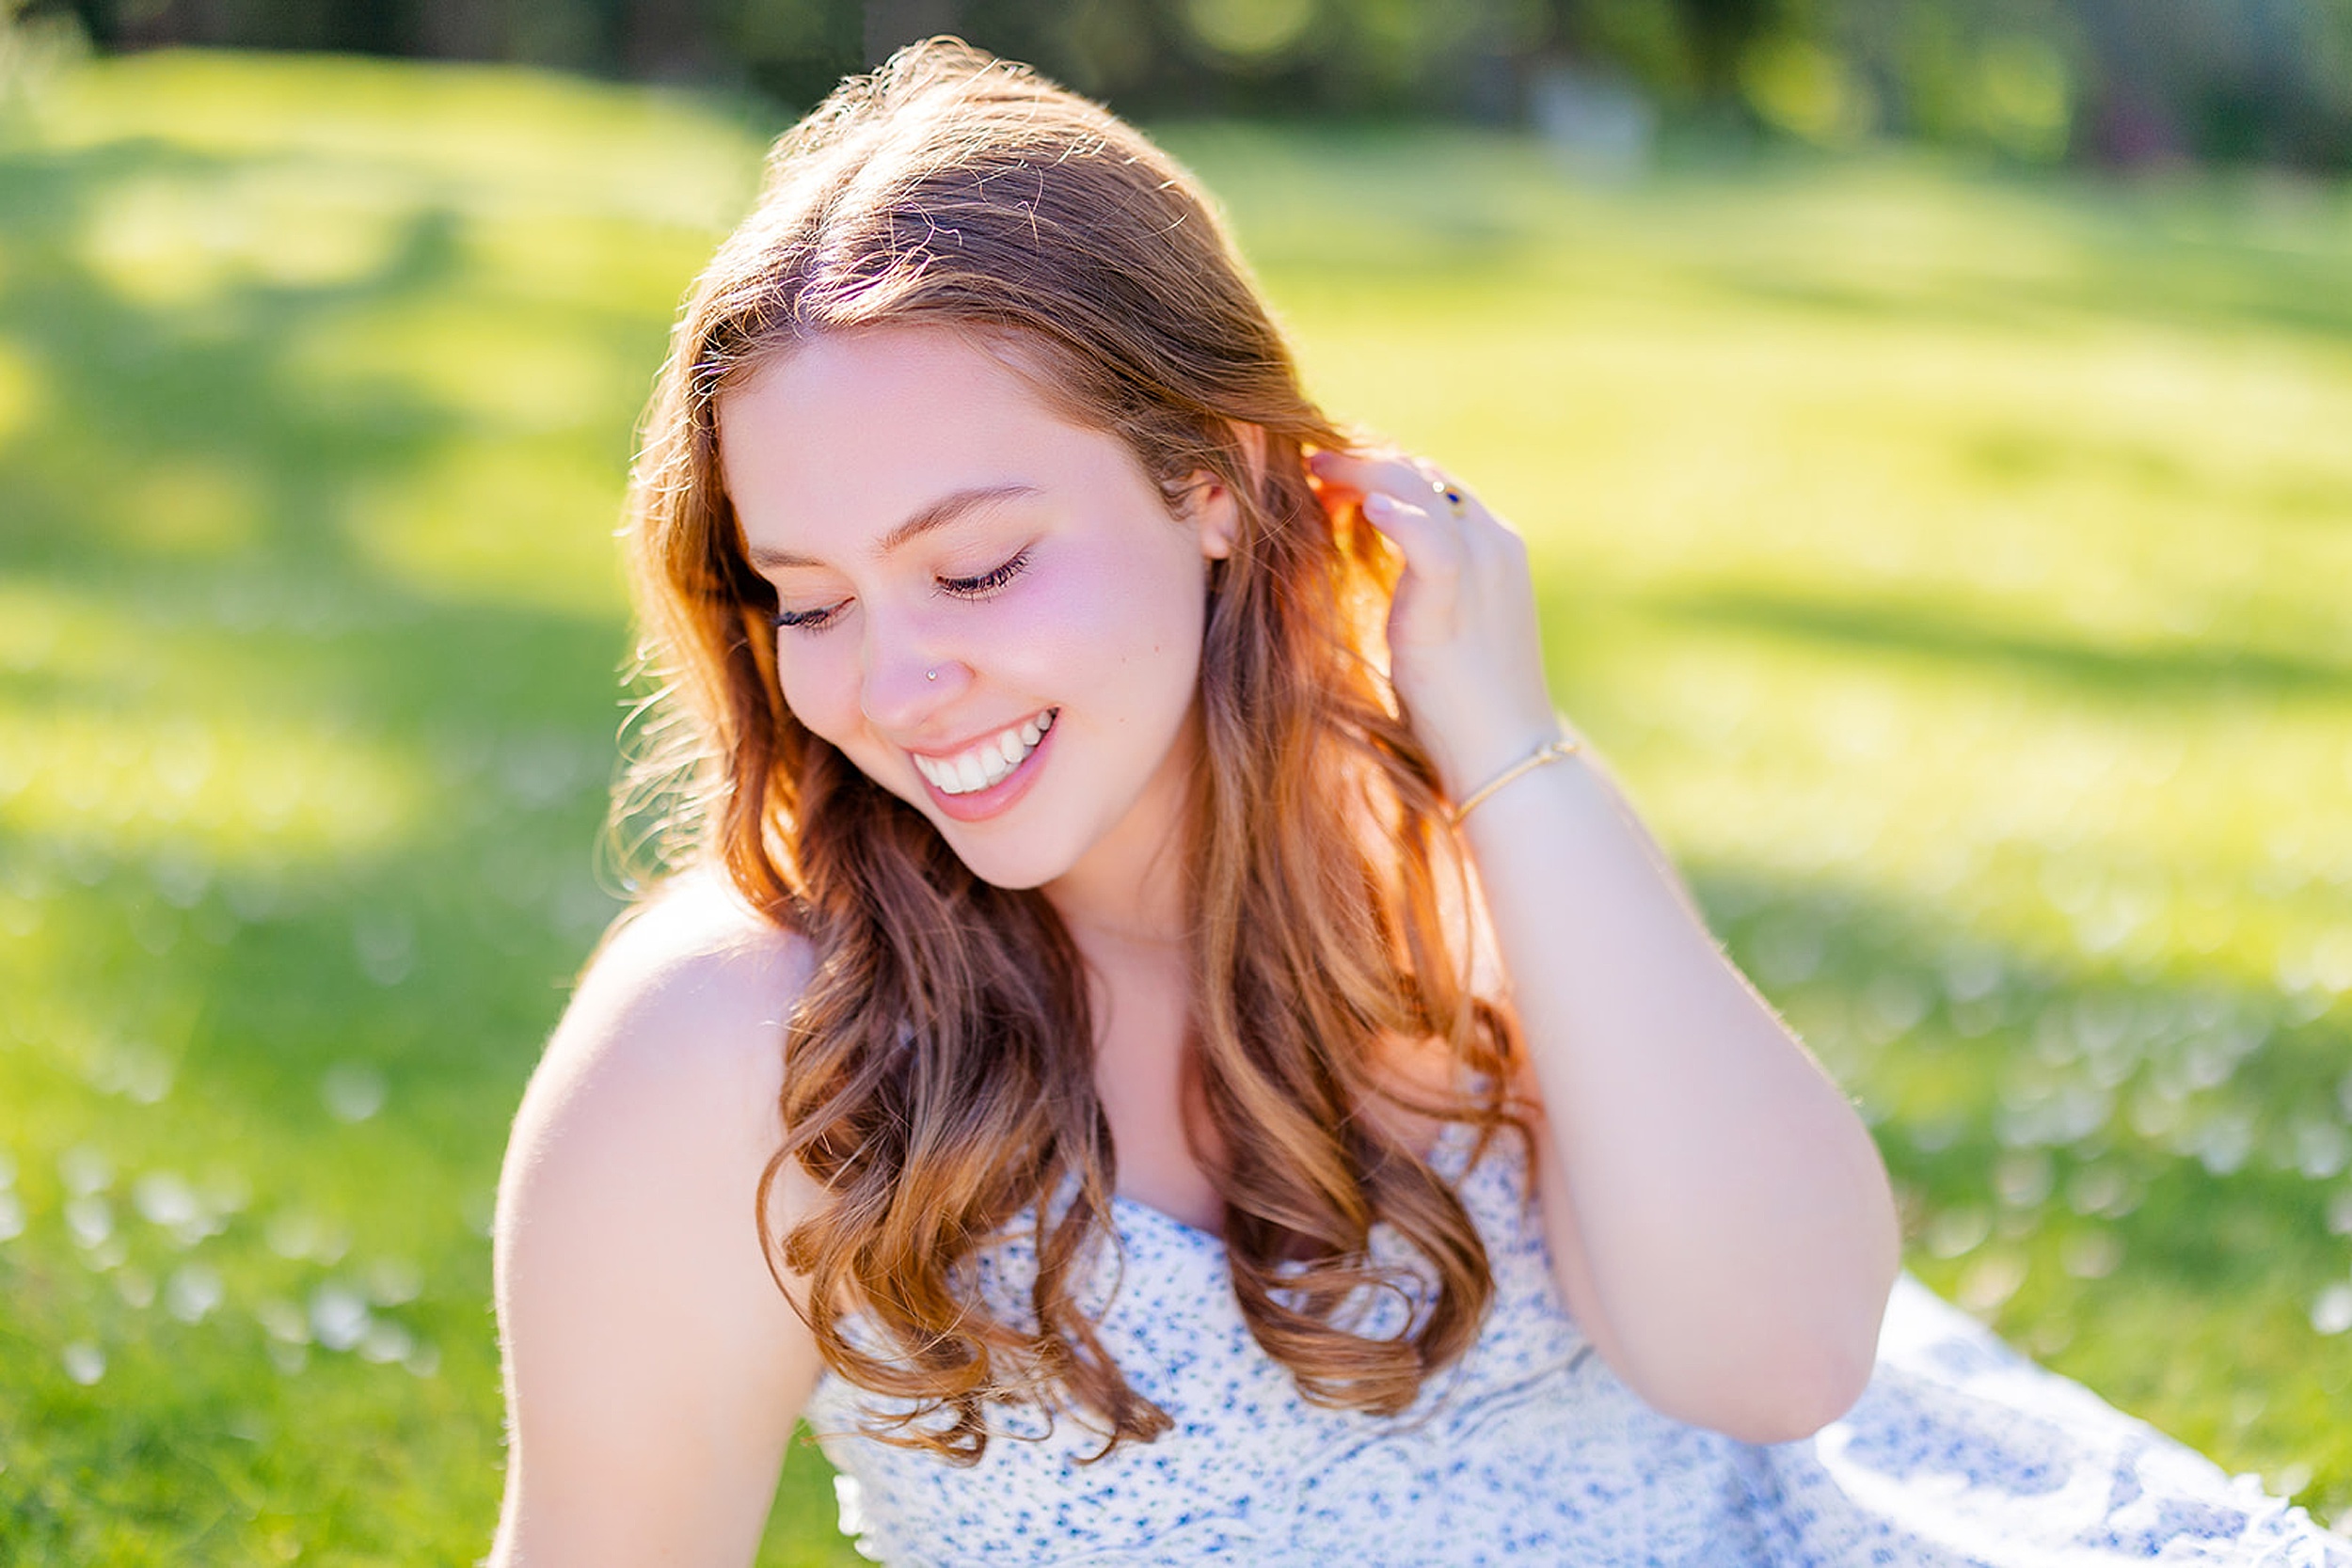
[1432, 549]
[1366, 473]
[1413, 479]
[1343, 480]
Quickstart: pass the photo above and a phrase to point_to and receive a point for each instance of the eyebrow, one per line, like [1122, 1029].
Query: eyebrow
[939, 513]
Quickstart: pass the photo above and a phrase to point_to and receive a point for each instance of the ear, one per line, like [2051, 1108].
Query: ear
[1216, 510]
[1216, 513]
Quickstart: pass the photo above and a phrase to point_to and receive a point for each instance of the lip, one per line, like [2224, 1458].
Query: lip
[981, 804]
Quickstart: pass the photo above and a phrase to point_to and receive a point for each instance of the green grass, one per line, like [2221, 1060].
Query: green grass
[1953, 565]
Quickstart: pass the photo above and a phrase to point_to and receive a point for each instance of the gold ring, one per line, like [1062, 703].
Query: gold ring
[1455, 499]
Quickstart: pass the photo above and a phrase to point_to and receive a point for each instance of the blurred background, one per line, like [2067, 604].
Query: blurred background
[2112, 82]
[1930, 419]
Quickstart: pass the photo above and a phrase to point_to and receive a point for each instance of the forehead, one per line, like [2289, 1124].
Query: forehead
[846, 435]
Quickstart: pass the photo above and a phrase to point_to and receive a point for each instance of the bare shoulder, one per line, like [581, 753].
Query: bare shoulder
[654, 1365]
[671, 1047]
[691, 988]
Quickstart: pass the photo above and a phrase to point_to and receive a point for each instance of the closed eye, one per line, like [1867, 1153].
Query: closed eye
[987, 583]
[806, 620]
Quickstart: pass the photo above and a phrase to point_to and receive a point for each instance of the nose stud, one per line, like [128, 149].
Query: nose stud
[931, 674]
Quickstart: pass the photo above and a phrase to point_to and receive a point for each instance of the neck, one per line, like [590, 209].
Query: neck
[1127, 895]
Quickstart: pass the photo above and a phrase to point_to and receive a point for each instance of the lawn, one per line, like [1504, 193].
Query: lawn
[1953, 562]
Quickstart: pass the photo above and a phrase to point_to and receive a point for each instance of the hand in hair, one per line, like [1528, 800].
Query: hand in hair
[1466, 653]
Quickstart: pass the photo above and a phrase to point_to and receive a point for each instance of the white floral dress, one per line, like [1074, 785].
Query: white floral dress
[1529, 1451]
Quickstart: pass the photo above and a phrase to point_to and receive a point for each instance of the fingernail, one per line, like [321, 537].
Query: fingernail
[1376, 502]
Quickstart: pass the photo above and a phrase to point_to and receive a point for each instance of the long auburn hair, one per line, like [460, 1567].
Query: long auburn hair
[938, 1077]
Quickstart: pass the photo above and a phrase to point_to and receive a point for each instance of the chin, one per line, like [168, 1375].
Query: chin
[1016, 863]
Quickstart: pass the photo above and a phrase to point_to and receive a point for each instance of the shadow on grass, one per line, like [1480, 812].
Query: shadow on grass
[265, 1035]
[504, 709]
[2161, 673]
[123, 386]
[2166, 284]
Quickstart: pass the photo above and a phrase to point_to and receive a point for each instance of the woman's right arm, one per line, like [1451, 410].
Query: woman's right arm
[653, 1368]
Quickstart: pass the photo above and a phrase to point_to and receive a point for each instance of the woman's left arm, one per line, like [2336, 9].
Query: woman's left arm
[1719, 1217]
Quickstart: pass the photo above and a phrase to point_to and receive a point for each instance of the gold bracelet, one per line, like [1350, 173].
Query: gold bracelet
[1551, 751]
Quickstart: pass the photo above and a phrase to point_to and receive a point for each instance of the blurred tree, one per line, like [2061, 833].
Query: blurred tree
[2120, 81]
[890, 24]
[795, 50]
[2235, 80]
[1721, 33]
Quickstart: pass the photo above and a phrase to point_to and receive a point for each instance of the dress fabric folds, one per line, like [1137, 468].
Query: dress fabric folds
[1529, 1451]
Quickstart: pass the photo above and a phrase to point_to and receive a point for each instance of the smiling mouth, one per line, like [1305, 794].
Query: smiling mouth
[987, 762]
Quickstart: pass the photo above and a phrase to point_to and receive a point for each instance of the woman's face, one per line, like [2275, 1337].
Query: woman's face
[990, 611]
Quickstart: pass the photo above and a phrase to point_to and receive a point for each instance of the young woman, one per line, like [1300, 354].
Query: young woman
[1167, 1048]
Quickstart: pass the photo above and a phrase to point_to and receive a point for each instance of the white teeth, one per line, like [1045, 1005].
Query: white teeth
[987, 763]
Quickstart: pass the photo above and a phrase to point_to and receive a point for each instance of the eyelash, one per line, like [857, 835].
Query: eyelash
[989, 583]
[986, 586]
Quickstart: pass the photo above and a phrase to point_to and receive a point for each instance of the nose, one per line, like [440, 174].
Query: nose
[906, 679]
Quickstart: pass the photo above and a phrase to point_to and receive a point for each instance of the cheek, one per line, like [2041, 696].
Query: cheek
[818, 676]
[1111, 621]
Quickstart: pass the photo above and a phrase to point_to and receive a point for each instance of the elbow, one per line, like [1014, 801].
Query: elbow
[1785, 1391]
[1823, 1372]
[1812, 1368]
[1799, 1402]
